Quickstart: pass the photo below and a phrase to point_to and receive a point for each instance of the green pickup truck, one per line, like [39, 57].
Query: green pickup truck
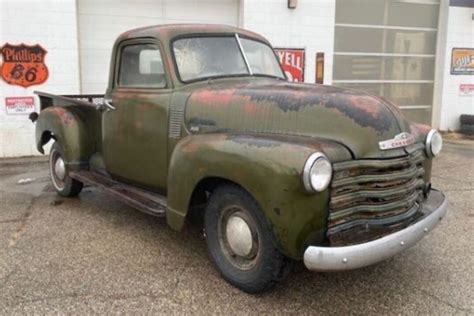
[201, 118]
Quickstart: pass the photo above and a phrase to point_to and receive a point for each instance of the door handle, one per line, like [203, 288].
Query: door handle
[108, 105]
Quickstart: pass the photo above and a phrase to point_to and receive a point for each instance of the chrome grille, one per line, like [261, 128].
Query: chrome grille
[370, 198]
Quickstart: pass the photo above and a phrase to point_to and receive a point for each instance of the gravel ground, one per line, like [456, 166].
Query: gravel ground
[93, 254]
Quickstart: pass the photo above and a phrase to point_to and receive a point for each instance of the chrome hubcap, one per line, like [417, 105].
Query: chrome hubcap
[239, 236]
[60, 168]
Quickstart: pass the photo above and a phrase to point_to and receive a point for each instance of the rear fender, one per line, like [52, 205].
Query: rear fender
[73, 127]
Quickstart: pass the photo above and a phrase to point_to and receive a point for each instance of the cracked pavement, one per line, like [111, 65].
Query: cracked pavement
[93, 254]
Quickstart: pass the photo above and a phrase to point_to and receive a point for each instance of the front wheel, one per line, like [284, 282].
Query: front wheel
[62, 182]
[239, 241]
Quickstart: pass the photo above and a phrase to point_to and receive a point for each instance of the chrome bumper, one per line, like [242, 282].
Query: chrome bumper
[361, 255]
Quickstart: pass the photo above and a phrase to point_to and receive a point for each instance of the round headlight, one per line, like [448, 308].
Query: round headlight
[434, 143]
[317, 173]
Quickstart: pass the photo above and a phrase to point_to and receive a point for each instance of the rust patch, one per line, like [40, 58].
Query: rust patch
[363, 109]
[66, 117]
[417, 129]
[215, 97]
[366, 104]
[190, 147]
[254, 141]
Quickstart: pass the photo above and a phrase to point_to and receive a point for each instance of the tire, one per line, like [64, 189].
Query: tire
[467, 129]
[466, 119]
[254, 265]
[62, 182]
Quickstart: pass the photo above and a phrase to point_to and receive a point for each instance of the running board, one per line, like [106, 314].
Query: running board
[143, 200]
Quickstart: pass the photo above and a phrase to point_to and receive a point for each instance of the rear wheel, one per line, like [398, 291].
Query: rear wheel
[240, 242]
[62, 182]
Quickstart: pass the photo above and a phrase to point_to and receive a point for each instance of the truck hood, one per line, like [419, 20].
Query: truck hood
[352, 118]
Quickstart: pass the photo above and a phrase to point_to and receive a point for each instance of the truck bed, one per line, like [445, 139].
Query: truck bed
[48, 99]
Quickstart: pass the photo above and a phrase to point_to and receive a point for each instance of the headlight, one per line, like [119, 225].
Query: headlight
[317, 173]
[434, 143]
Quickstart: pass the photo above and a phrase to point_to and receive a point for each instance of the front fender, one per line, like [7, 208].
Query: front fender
[269, 168]
[75, 129]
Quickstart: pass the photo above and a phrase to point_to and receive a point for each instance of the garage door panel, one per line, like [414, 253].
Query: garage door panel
[95, 80]
[93, 87]
[203, 11]
[100, 22]
[143, 8]
[108, 28]
[388, 48]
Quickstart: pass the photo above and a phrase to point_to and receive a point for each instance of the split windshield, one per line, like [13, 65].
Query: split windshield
[200, 58]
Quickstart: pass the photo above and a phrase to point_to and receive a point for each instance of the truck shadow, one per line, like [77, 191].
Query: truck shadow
[302, 290]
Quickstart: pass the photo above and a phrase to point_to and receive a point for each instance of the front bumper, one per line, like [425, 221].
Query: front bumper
[361, 255]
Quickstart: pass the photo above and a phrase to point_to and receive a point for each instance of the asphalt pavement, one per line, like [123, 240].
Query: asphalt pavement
[93, 254]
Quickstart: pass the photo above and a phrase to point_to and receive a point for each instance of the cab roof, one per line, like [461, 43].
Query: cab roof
[167, 32]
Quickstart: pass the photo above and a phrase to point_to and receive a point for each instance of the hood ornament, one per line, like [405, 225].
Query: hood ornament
[400, 140]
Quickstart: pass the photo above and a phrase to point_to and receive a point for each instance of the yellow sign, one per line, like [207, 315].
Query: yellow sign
[462, 61]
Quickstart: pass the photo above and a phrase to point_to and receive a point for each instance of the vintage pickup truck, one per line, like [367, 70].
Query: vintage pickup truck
[201, 118]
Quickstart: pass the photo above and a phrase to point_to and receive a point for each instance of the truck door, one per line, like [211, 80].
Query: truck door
[134, 128]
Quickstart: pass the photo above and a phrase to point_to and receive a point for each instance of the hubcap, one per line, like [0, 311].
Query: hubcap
[239, 236]
[57, 170]
[60, 168]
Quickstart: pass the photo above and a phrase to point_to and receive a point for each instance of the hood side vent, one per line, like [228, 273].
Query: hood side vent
[176, 119]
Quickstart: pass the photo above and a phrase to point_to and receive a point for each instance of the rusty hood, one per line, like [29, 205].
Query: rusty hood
[355, 119]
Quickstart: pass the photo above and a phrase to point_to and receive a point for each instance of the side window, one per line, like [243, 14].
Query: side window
[141, 66]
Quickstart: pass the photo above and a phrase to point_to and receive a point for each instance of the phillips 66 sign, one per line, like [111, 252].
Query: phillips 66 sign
[23, 65]
[292, 62]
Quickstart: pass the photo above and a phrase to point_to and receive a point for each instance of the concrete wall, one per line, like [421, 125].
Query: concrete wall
[53, 25]
[459, 33]
[310, 26]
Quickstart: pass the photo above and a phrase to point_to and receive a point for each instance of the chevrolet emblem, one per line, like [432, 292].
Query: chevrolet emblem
[400, 140]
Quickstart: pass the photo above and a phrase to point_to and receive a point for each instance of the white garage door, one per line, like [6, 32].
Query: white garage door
[100, 22]
[387, 48]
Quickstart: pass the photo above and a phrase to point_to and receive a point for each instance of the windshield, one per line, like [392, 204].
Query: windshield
[261, 58]
[208, 57]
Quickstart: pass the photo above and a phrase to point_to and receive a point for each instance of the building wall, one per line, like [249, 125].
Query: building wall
[62, 26]
[53, 25]
[309, 26]
[459, 33]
